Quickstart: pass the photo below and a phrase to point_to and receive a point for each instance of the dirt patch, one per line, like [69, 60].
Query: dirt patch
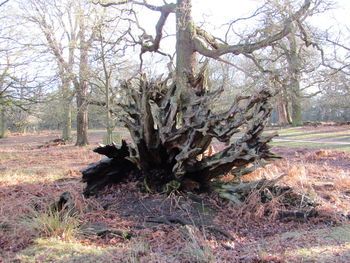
[146, 209]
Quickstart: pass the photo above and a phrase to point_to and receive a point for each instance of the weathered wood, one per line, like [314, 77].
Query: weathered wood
[168, 139]
[102, 229]
[111, 170]
[65, 205]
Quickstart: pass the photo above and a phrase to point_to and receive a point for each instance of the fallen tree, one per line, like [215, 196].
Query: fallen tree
[165, 149]
[171, 122]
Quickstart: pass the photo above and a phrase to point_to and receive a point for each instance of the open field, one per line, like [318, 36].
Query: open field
[33, 177]
[323, 137]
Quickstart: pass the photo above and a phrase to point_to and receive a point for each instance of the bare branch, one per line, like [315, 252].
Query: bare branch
[4, 2]
[143, 3]
[248, 47]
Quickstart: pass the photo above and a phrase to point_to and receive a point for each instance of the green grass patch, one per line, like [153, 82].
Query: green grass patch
[302, 133]
[311, 145]
[315, 136]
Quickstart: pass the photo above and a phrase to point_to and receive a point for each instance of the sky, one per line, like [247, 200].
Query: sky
[218, 12]
[223, 11]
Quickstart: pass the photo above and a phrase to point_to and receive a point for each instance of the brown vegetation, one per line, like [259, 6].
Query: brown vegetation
[32, 179]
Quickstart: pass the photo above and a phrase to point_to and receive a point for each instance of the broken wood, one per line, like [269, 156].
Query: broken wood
[52, 143]
[170, 138]
[101, 229]
[297, 207]
[65, 205]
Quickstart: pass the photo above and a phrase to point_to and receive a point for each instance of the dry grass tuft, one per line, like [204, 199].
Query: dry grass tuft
[342, 183]
[196, 247]
[52, 224]
[138, 249]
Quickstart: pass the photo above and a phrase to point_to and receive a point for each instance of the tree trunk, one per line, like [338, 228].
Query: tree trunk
[109, 127]
[295, 73]
[282, 113]
[185, 54]
[82, 88]
[82, 115]
[2, 122]
[67, 122]
[296, 108]
[67, 111]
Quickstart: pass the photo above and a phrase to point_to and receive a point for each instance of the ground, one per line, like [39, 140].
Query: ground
[34, 174]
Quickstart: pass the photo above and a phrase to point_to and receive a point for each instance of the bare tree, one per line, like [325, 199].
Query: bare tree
[293, 62]
[109, 65]
[19, 89]
[69, 26]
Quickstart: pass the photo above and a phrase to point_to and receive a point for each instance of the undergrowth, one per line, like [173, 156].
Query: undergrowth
[52, 224]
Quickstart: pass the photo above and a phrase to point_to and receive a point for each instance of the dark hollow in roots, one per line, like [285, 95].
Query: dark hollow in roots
[171, 128]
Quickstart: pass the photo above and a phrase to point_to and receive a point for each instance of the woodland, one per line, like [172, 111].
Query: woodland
[136, 131]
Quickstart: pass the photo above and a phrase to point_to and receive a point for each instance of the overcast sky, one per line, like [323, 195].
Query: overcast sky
[221, 11]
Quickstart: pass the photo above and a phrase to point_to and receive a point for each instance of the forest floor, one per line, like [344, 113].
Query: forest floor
[34, 174]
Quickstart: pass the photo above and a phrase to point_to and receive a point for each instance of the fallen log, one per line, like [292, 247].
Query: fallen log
[170, 138]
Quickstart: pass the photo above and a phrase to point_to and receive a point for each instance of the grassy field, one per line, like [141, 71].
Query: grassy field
[32, 177]
[336, 138]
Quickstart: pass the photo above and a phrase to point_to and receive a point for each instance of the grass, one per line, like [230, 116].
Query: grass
[196, 248]
[304, 133]
[7, 156]
[329, 245]
[137, 250]
[311, 145]
[52, 224]
[62, 251]
[328, 138]
[19, 176]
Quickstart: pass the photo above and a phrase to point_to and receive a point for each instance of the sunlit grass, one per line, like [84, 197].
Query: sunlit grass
[312, 145]
[316, 136]
[330, 244]
[52, 224]
[300, 132]
[321, 253]
[137, 250]
[56, 250]
[7, 156]
[20, 176]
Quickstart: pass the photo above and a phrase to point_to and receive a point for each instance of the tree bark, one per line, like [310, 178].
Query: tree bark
[296, 107]
[282, 113]
[2, 122]
[185, 53]
[67, 122]
[109, 125]
[67, 111]
[82, 115]
[82, 87]
[295, 74]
